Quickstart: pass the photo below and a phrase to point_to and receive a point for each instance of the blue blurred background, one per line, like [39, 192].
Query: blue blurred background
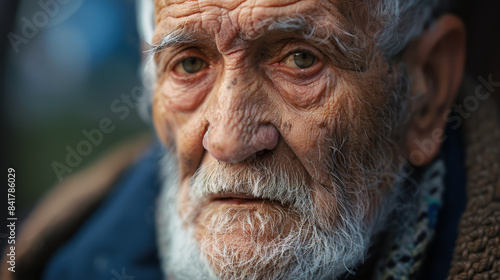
[82, 55]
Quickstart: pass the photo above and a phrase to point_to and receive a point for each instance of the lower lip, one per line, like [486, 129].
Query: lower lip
[239, 201]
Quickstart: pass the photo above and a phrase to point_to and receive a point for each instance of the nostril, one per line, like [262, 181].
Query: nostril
[262, 152]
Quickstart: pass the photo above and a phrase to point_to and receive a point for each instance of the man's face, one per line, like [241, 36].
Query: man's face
[284, 129]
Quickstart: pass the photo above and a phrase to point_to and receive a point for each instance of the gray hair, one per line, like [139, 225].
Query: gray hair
[145, 19]
[403, 21]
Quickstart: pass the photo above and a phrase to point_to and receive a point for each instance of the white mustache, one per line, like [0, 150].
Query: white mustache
[259, 181]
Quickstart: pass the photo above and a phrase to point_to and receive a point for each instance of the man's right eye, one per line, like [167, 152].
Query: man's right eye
[190, 65]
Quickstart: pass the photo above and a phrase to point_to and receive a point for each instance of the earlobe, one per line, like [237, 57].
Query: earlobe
[435, 62]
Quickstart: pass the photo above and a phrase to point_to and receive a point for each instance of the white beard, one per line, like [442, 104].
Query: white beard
[179, 254]
[311, 251]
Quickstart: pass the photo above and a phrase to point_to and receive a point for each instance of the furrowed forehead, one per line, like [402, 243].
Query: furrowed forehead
[297, 24]
[225, 22]
[248, 18]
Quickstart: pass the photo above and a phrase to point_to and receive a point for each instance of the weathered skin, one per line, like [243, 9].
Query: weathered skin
[247, 102]
[245, 99]
[332, 123]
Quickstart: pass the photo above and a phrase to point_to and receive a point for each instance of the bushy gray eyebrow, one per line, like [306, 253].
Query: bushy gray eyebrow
[294, 23]
[172, 39]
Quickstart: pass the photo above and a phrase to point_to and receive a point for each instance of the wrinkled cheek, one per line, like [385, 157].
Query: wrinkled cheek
[183, 99]
[160, 121]
[325, 212]
[303, 96]
[311, 147]
[167, 121]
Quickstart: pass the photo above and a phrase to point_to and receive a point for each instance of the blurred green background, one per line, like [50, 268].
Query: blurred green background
[81, 57]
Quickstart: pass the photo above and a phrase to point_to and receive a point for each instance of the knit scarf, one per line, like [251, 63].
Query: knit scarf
[407, 250]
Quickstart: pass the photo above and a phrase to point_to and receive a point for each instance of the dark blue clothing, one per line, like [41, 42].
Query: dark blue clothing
[118, 242]
[440, 252]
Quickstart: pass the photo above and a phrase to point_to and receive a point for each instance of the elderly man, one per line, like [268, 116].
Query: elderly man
[304, 140]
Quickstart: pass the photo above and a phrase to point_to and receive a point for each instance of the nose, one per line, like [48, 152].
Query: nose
[239, 117]
[233, 144]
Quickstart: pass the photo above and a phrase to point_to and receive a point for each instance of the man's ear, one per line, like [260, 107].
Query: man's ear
[435, 63]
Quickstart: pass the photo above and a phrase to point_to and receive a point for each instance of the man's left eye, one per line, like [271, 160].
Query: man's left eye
[300, 60]
[190, 65]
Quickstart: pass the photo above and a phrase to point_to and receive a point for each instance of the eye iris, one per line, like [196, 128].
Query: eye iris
[303, 60]
[192, 64]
